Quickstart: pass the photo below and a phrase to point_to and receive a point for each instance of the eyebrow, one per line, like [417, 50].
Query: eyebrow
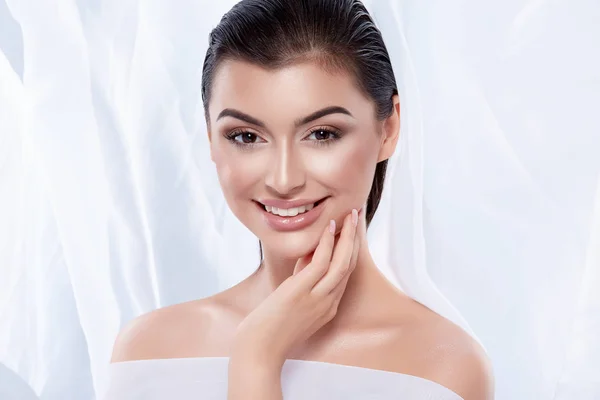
[230, 112]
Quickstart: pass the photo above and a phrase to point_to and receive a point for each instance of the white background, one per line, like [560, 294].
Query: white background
[110, 207]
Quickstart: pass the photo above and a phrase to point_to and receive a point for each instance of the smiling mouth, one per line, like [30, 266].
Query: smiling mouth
[291, 212]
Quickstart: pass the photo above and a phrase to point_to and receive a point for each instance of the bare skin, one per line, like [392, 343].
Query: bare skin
[375, 326]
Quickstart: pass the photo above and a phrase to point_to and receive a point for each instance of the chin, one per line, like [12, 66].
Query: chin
[293, 245]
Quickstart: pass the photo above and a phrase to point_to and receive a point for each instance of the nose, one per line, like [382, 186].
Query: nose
[286, 175]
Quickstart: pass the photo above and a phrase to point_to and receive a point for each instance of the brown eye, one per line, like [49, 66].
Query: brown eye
[247, 137]
[322, 134]
[244, 139]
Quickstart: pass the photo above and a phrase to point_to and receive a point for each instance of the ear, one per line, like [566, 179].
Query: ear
[391, 131]
[210, 148]
[209, 142]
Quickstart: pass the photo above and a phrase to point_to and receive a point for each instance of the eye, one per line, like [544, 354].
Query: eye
[323, 135]
[244, 138]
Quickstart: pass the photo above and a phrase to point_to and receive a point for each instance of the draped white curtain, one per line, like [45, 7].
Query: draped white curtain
[110, 206]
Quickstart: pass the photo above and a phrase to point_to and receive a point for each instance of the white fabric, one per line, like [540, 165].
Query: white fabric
[206, 378]
[13, 387]
[110, 206]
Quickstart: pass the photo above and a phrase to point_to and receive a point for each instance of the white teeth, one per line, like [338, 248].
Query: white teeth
[290, 212]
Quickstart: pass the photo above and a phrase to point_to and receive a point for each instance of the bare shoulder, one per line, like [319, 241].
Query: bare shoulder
[453, 358]
[181, 330]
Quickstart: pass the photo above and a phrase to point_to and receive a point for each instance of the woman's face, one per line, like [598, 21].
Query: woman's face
[296, 134]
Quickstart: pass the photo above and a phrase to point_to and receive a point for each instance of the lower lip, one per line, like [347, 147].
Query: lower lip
[287, 224]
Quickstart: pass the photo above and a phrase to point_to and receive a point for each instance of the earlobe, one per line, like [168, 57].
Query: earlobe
[391, 132]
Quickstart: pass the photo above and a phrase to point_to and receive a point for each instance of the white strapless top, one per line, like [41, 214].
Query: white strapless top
[206, 378]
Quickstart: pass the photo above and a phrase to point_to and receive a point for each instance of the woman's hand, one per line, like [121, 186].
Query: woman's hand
[304, 302]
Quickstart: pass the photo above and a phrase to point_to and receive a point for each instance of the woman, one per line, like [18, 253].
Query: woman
[302, 112]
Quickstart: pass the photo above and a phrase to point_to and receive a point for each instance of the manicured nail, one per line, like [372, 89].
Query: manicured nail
[354, 217]
[332, 226]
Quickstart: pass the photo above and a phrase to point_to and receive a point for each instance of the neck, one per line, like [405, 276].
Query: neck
[365, 283]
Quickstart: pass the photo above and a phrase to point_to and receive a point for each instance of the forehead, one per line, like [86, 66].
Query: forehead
[296, 89]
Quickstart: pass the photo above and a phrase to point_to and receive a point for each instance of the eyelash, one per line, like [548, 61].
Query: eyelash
[334, 133]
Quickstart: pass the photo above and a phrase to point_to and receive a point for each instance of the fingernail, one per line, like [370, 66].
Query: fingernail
[332, 226]
[354, 217]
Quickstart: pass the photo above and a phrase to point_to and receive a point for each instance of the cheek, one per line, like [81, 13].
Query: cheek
[234, 180]
[350, 170]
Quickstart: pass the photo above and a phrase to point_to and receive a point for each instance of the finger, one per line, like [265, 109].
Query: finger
[303, 262]
[338, 291]
[355, 250]
[320, 260]
[340, 262]
[362, 223]
[342, 254]
[341, 287]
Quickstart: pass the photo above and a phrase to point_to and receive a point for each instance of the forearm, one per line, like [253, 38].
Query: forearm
[251, 380]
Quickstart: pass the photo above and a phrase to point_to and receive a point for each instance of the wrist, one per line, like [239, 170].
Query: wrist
[261, 362]
[249, 379]
[247, 352]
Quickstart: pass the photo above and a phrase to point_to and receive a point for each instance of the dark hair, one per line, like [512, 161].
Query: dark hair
[338, 34]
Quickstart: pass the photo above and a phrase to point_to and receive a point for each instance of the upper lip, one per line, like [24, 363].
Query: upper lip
[286, 204]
